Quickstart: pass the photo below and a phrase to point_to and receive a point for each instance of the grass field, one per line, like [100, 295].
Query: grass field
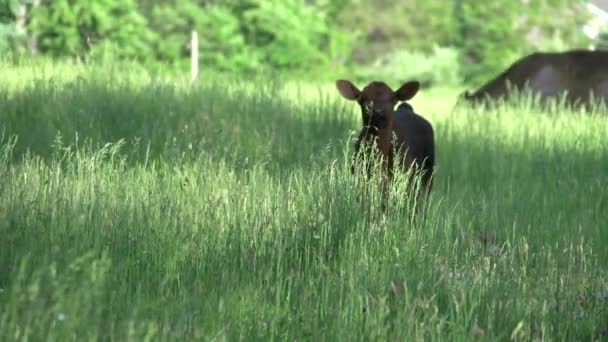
[139, 207]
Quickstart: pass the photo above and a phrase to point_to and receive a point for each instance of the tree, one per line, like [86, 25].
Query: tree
[383, 27]
[493, 34]
[15, 35]
[90, 28]
[602, 40]
[244, 35]
[222, 44]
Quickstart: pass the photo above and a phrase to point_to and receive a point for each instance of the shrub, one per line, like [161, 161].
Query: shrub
[222, 43]
[441, 67]
[601, 42]
[83, 28]
[493, 34]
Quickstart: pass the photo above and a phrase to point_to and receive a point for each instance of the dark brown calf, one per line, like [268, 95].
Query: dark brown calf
[401, 137]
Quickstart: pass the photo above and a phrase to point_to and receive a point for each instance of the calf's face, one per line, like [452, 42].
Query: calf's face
[377, 100]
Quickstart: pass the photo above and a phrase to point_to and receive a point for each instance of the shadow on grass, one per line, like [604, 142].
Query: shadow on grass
[548, 189]
[161, 120]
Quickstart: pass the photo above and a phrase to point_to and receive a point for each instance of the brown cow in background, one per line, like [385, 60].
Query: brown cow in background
[400, 136]
[580, 73]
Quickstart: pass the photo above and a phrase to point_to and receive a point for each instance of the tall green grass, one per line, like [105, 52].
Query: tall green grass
[143, 207]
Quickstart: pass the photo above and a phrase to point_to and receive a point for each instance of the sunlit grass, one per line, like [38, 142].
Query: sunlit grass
[139, 207]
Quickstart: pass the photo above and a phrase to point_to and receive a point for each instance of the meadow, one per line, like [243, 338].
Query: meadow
[143, 207]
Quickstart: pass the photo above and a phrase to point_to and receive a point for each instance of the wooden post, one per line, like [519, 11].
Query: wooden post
[21, 23]
[194, 55]
[32, 42]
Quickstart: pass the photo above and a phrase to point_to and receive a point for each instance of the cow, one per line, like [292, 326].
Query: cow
[401, 138]
[582, 75]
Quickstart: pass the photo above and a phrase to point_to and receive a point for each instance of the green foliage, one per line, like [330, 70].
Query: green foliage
[441, 67]
[493, 34]
[289, 33]
[305, 38]
[542, 14]
[382, 27]
[242, 36]
[489, 35]
[13, 35]
[602, 39]
[485, 42]
[92, 28]
[8, 30]
[222, 44]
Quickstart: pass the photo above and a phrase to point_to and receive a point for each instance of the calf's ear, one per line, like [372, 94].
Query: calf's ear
[407, 91]
[347, 89]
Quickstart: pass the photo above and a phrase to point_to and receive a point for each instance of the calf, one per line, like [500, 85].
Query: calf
[400, 137]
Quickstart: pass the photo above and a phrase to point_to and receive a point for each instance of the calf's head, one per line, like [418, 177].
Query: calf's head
[377, 102]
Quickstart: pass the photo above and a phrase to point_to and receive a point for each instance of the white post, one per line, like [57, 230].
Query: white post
[194, 55]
